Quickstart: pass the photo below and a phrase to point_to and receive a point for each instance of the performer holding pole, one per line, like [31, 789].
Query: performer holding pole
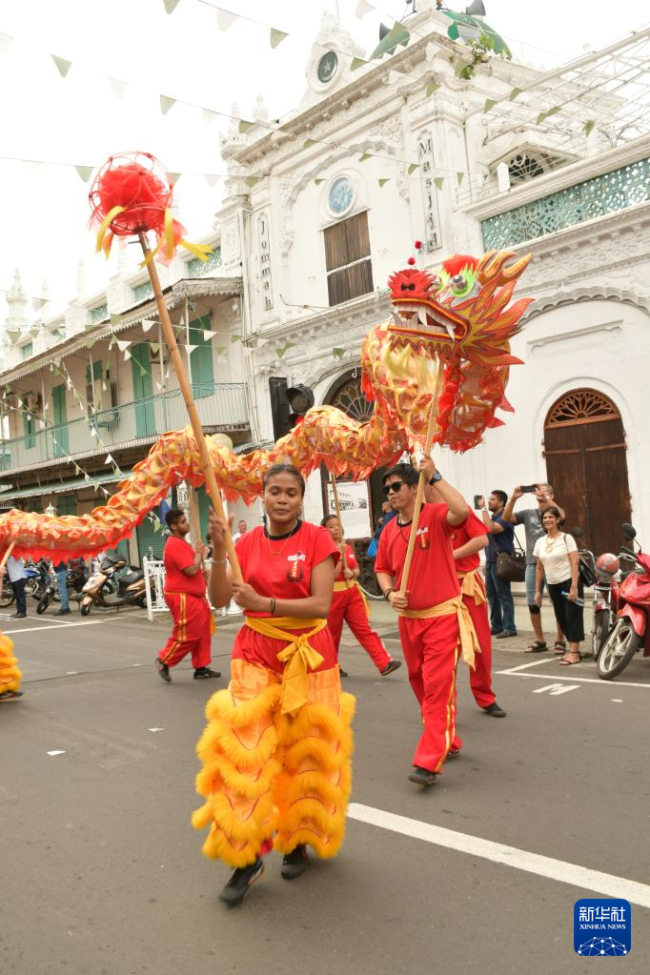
[10, 674]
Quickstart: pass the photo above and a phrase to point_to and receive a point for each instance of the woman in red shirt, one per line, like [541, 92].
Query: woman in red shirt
[277, 747]
[349, 604]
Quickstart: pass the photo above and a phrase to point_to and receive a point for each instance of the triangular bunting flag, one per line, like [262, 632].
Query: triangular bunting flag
[208, 334]
[62, 65]
[364, 156]
[276, 37]
[116, 319]
[127, 355]
[225, 18]
[460, 177]
[170, 5]
[119, 87]
[431, 51]
[109, 460]
[166, 102]
[319, 181]
[284, 348]
[123, 344]
[234, 339]
[146, 324]
[432, 87]
[191, 348]
[85, 172]
[513, 94]
[413, 167]
[252, 180]
[588, 127]
[356, 63]
[382, 183]
[104, 387]
[308, 143]
[338, 353]
[362, 8]
[37, 303]
[208, 115]
[438, 180]
[143, 372]
[244, 126]
[489, 103]
[155, 347]
[173, 178]
[158, 386]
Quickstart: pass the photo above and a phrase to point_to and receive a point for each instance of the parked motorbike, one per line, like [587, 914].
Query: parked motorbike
[631, 631]
[76, 581]
[6, 593]
[106, 588]
[37, 577]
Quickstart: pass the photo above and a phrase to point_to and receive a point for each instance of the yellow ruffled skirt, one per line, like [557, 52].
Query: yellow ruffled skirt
[273, 778]
[9, 673]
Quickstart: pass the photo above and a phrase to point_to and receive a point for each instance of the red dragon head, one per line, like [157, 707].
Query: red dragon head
[460, 310]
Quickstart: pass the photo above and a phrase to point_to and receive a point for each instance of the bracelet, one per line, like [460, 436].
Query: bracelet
[272, 607]
[387, 593]
[219, 561]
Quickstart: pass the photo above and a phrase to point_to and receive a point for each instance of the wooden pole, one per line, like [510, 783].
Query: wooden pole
[186, 390]
[195, 521]
[419, 496]
[337, 508]
[5, 559]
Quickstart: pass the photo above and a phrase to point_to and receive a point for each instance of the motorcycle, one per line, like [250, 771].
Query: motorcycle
[105, 588]
[36, 579]
[76, 581]
[631, 631]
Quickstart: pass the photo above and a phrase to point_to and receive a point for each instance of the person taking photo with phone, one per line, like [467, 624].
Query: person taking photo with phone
[531, 519]
[500, 539]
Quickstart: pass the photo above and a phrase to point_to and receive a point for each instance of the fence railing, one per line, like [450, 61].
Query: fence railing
[218, 404]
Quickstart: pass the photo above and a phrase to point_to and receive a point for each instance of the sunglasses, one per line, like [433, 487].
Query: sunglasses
[393, 486]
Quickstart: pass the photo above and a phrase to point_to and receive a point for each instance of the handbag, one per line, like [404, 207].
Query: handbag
[511, 566]
[586, 571]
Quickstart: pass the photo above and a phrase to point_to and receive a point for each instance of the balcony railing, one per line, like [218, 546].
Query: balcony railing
[221, 405]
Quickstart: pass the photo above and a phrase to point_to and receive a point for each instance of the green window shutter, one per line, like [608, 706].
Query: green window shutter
[29, 426]
[149, 538]
[201, 361]
[66, 504]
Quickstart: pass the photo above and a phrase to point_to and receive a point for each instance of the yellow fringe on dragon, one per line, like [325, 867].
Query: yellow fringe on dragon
[10, 675]
[270, 777]
[460, 313]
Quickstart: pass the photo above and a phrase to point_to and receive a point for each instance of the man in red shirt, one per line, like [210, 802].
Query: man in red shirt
[434, 622]
[468, 540]
[185, 596]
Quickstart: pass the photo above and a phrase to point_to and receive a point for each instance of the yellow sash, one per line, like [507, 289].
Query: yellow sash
[466, 632]
[472, 585]
[342, 586]
[298, 655]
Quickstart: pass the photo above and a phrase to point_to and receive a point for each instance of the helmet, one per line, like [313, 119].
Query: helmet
[607, 564]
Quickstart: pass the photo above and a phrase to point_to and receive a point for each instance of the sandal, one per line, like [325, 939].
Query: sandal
[568, 663]
[536, 647]
[559, 648]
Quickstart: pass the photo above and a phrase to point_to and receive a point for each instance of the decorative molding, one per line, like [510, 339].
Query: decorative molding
[560, 299]
[546, 342]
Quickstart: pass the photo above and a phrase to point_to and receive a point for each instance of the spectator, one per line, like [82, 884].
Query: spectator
[61, 573]
[17, 576]
[557, 558]
[531, 519]
[500, 539]
[242, 528]
[388, 513]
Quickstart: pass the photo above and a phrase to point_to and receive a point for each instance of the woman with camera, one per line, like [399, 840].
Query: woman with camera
[558, 559]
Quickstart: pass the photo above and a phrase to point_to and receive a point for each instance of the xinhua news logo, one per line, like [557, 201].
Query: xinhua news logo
[602, 927]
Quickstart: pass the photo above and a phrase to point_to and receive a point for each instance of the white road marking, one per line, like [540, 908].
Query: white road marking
[566, 873]
[516, 670]
[617, 700]
[555, 689]
[573, 677]
[155, 729]
[56, 753]
[32, 629]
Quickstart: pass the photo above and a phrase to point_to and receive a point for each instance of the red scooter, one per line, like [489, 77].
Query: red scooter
[631, 632]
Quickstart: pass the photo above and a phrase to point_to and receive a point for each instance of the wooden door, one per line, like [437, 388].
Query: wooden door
[585, 450]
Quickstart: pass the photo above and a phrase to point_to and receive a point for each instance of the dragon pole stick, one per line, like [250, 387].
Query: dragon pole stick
[337, 508]
[5, 557]
[186, 390]
[419, 496]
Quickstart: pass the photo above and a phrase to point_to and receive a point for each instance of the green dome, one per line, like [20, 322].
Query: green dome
[396, 36]
[468, 28]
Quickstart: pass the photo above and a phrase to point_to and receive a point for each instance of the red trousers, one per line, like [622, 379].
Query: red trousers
[431, 650]
[480, 679]
[192, 631]
[348, 605]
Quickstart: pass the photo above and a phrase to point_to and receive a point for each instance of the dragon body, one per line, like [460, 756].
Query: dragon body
[459, 318]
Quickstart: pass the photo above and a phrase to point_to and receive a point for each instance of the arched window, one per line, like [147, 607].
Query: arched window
[349, 398]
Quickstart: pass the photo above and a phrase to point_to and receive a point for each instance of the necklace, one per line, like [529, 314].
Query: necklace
[549, 543]
[281, 538]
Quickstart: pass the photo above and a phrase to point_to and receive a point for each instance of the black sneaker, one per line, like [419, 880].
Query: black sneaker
[204, 673]
[295, 863]
[63, 612]
[163, 670]
[422, 776]
[494, 710]
[343, 673]
[241, 882]
[391, 667]
[452, 753]
[10, 696]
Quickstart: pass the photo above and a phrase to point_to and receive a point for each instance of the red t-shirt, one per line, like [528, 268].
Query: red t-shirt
[178, 555]
[461, 534]
[282, 569]
[351, 563]
[432, 578]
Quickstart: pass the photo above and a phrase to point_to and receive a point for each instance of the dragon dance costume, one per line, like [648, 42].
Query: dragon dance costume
[472, 589]
[434, 629]
[189, 608]
[10, 675]
[350, 605]
[277, 747]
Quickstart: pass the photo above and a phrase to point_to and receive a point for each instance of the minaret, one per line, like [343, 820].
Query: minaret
[16, 300]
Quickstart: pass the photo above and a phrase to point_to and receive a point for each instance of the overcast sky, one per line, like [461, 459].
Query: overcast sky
[79, 120]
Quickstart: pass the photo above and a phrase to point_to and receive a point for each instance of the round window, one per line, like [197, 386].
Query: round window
[341, 195]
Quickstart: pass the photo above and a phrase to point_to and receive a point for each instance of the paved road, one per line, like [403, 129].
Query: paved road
[101, 872]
